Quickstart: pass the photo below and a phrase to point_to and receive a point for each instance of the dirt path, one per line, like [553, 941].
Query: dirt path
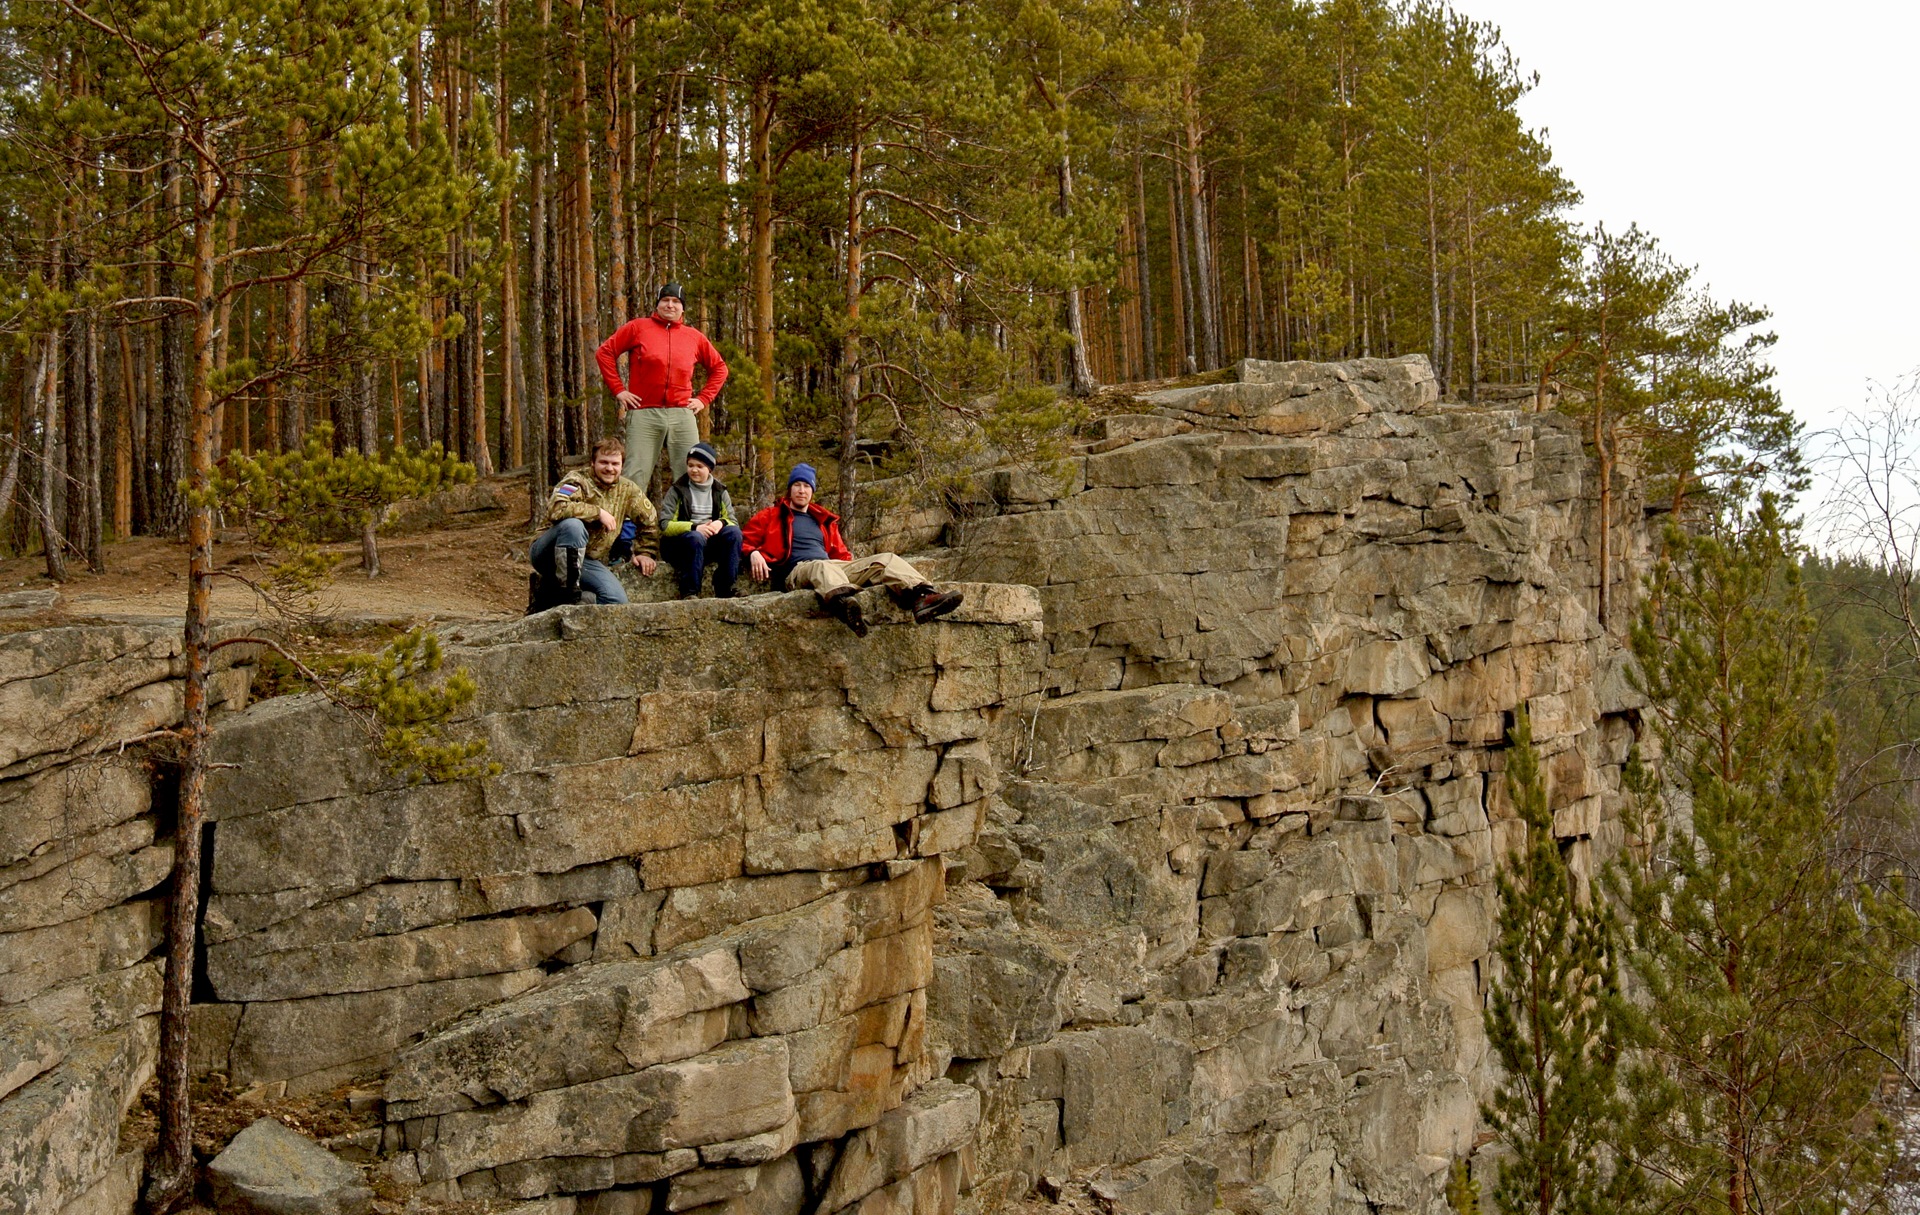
[464, 569]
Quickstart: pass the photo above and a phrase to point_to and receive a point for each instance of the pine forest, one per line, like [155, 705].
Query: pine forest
[416, 221]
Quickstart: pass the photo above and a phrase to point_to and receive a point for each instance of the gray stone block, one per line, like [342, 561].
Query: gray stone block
[271, 1170]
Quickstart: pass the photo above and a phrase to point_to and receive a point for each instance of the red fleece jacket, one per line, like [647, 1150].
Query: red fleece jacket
[660, 369]
[770, 532]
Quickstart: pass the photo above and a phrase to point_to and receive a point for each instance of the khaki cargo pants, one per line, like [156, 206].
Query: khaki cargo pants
[881, 569]
[674, 425]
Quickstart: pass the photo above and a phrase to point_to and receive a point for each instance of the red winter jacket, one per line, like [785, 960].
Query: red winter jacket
[660, 369]
[770, 532]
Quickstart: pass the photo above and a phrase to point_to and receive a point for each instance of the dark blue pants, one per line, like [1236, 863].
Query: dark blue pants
[690, 553]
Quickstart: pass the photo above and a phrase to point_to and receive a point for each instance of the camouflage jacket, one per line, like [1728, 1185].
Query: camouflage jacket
[579, 496]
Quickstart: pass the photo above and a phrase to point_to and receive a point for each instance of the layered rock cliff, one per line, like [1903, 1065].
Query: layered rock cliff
[1251, 832]
[1162, 869]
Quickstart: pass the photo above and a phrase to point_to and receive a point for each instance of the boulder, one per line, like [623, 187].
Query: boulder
[271, 1170]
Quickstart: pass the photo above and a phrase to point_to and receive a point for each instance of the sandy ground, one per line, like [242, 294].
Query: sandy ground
[473, 568]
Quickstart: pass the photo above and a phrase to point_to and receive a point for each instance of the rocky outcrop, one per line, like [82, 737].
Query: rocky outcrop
[690, 921]
[83, 852]
[1161, 873]
[1225, 930]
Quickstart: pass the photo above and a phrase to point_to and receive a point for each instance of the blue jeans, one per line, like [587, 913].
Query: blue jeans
[690, 553]
[594, 576]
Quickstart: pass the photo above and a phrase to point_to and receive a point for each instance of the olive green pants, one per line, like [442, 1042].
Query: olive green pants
[647, 429]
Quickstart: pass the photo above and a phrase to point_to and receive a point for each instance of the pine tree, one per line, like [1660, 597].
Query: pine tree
[295, 500]
[1772, 1003]
[1554, 1018]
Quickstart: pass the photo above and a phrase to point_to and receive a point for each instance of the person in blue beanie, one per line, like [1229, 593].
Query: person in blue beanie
[698, 529]
[796, 544]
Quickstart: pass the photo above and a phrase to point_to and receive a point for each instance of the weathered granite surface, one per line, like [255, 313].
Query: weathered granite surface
[83, 859]
[1224, 932]
[1164, 877]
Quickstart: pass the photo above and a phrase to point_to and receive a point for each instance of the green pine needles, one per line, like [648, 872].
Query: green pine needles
[409, 711]
[1766, 954]
[292, 501]
[1554, 1018]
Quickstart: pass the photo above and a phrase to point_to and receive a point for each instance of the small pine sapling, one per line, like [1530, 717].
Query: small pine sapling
[409, 711]
[1554, 1017]
[291, 501]
[1462, 1192]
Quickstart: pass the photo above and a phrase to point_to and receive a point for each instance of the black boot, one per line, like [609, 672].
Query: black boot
[843, 604]
[544, 592]
[566, 571]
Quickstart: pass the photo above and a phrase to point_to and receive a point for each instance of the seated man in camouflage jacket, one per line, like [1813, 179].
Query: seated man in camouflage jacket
[586, 511]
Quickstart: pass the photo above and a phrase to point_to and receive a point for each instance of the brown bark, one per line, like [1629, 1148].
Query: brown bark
[1182, 277]
[616, 169]
[541, 448]
[172, 1177]
[1205, 304]
[122, 440]
[850, 344]
[1248, 299]
[47, 406]
[761, 453]
[1143, 273]
[168, 420]
[511, 388]
[1080, 379]
[585, 275]
[293, 414]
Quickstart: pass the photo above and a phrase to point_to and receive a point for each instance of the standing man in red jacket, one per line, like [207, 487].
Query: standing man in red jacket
[658, 399]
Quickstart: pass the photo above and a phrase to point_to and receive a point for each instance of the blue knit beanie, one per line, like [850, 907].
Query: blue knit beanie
[803, 472]
[705, 454]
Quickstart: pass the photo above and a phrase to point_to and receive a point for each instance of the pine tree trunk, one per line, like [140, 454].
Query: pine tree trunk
[1143, 274]
[168, 450]
[293, 412]
[616, 167]
[1248, 303]
[761, 454]
[585, 276]
[1182, 275]
[1205, 306]
[123, 479]
[173, 1175]
[1439, 351]
[541, 454]
[90, 398]
[512, 380]
[423, 362]
[1473, 313]
[850, 345]
[46, 402]
[364, 397]
[1080, 381]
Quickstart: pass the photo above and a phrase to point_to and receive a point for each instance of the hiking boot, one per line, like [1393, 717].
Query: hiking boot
[566, 570]
[843, 604]
[534, 598]
[933, 603]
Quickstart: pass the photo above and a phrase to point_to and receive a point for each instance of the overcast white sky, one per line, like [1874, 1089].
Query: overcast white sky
[1772, 145]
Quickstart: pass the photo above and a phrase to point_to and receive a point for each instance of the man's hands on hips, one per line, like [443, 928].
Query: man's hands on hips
[644, 563]
[758, 564]
[696, 405]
